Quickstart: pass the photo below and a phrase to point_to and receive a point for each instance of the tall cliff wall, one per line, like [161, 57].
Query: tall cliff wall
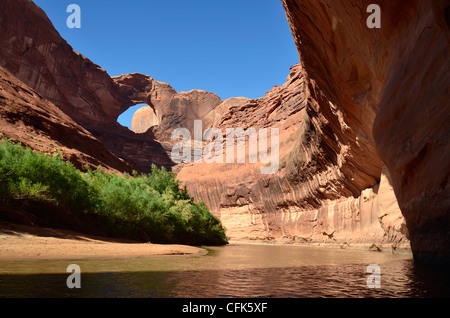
[323, 191]
[394, 82]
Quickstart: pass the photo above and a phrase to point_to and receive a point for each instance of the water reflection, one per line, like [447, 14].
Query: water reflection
[230, 257]
[399, 279]
[238, 271]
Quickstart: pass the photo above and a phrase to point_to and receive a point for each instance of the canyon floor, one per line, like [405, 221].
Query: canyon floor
[28, 242]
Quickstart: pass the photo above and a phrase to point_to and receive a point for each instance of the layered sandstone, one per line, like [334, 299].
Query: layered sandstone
[394, 82]
[33, 51]
[322, 193]
[168, 109]
[318, 195]
[29, 118]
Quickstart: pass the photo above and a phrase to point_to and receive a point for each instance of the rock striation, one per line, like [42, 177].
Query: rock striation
[29, 118]
[34, 52]
[386, 91]
[320, 195]
[167, 109]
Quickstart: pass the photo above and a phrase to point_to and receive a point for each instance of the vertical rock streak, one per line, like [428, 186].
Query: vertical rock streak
[392, 87]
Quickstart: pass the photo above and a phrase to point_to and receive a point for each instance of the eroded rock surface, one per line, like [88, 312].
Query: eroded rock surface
[168, 109]
[320, 193]
[33, 51]
[29, 118]
[394, 82]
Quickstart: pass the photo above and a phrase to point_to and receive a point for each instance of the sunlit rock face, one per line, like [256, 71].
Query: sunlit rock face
[384, 93]
[168, 109]
[318, 194]
[143, 119]
[34, 52]
[28, 118]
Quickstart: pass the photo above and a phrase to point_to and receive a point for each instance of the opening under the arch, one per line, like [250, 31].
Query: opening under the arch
[138, 118]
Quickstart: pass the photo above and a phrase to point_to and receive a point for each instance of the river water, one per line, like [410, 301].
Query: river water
[235, 270]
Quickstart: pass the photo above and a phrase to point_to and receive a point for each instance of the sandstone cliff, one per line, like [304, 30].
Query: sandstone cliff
[338, 178]
[29, 118]
[394, 82]
[168, 109]
[33, 51]
[319, 195]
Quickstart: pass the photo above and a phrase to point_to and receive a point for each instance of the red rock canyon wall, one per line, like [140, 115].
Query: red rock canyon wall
[363, 119]
[33, 51]
[391, 86]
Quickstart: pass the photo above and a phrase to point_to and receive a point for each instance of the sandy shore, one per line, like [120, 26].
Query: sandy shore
[28, 242]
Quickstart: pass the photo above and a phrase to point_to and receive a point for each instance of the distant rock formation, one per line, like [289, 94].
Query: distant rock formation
[144, 119]
[167, 109]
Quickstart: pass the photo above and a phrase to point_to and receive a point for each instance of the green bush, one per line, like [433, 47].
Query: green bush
[147, 207]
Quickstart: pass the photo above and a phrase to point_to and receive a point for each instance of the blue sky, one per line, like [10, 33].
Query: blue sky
[232, 48]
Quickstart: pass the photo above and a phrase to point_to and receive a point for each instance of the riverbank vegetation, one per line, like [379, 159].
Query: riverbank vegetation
[147, 207]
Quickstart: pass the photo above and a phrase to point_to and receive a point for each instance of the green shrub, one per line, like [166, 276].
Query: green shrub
[25, 174]
[146, 207]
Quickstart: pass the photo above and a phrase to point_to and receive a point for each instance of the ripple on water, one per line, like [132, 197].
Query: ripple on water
[237, 272]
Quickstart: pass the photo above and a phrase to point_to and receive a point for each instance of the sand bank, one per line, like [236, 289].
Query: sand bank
[25, 242]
